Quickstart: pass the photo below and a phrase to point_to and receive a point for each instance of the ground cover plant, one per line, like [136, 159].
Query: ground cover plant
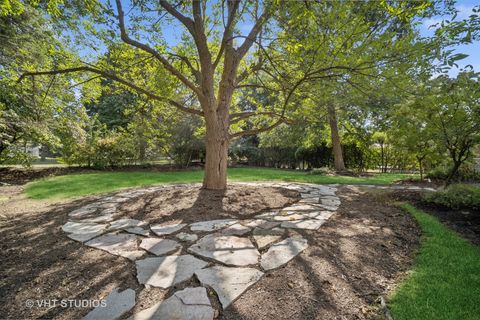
[457, 196]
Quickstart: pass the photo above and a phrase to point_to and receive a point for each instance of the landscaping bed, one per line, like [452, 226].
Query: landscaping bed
[464, 221]
[356, 256]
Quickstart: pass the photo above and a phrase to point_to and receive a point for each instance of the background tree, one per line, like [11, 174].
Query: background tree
[30, 112]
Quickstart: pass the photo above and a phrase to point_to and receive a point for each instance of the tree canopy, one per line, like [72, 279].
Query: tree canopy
[356, 78]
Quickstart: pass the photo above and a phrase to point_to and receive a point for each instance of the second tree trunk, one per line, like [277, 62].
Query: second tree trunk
[335, 136]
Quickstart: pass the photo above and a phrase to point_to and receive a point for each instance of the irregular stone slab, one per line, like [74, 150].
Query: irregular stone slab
[289, 217]
[267, 215]
[123, 244]
[165, 229]
[326, 191]
[322, 215]
[192, 296]
[228, 283]
[260, 223]
[83, 227]
[126, 223]
[164, 272]
[116, 199]
[109, 211]
[159, 246]
[100, 218]
[301, 207]
[82, 237]
[330, 208]
[82, 212]
[306, 195]
[230, 250]
[182, 236]
[315, 200]
[187, 304]
[280, 253]
[138, 230]
[264, 237]
[107, 205]
[116, 304]
[211, 225]
[236, 229]
[311, 224]
[330, 201]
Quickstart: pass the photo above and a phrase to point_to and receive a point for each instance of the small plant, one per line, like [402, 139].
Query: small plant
[458, 196]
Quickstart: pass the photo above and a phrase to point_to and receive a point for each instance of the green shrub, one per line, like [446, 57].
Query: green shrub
[112, 149]
[458, 196]
[466, 173]
[438, 173]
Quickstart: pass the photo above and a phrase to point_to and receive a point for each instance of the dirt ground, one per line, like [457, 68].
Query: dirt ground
[192, 204]
[356, 256]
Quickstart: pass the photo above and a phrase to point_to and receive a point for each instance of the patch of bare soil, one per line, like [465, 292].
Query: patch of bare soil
[352, 259]
[191, 204]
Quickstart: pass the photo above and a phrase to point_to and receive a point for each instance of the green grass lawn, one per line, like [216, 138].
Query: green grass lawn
[75, 185]
[445, 281]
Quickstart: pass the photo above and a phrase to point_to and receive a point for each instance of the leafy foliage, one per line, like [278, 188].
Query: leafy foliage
[456, 196]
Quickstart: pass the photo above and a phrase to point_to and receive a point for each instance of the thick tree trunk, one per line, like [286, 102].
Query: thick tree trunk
[336, 143]
[217, 141]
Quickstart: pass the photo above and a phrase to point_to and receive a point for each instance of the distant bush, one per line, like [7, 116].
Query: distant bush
[457, 196]
[111, 150]
[465, 173]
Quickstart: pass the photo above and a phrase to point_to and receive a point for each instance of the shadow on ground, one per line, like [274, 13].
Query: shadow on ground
[352, 259]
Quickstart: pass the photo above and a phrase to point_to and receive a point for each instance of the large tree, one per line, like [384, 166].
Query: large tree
[210, 72]
[31, 112]
[231, 44]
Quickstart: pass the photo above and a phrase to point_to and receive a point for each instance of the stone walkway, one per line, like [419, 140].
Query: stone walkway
[227, 255]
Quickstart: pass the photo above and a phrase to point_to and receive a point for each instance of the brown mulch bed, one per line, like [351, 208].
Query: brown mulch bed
[352, 259]
[465, 222]
[191, 204]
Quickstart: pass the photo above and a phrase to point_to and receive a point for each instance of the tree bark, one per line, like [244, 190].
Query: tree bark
[336, 143]
[216, 161]
[420, 164]
[453, 172]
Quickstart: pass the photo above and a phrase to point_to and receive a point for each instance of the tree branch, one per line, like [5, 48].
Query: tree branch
[252, 36]
[155, 53]
[195, 72]
[112, 76]
[232, 9]
[187, 22]
[237, 117]
[259, 130]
